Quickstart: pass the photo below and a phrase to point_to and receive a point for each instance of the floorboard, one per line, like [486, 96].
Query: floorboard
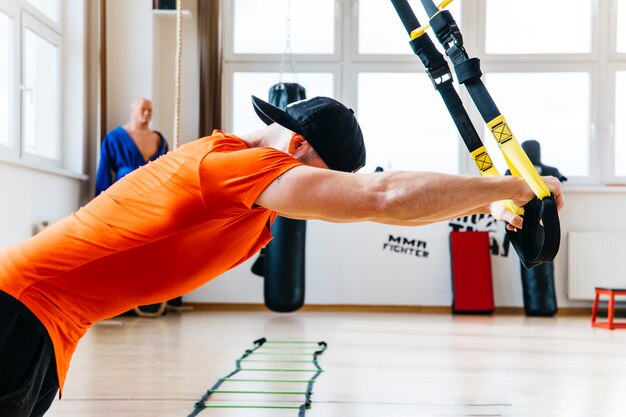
[377, 364]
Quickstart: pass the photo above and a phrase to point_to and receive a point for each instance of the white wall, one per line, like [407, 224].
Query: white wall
[129, 56]
[30, 196]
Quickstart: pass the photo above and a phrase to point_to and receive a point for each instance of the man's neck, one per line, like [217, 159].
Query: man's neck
[137, 126]
[273, 136]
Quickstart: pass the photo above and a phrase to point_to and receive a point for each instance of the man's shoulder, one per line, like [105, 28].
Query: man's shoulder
[115, 133]
[219, 141]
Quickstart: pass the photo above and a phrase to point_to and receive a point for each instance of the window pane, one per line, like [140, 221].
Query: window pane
[382, 32]
[552, 108]
[261, 26]
[41, 96]
[49, 8]
[621, 25]
[405, 124]
[539, 26]
[6, 60]
[246, 84]
[620, 124]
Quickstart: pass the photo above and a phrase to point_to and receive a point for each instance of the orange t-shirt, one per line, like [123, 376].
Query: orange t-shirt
[160, 232]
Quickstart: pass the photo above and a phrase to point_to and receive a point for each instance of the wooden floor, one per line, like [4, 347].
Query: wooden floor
[376, 365]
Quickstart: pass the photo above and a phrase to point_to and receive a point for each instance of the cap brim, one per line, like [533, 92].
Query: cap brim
[269, 113]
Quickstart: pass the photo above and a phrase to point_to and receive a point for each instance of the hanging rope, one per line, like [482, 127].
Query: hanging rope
[288, 52]
[176, 137]
[179, 49]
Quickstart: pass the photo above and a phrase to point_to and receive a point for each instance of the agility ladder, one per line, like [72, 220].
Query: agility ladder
[275, 348]
[540, 237]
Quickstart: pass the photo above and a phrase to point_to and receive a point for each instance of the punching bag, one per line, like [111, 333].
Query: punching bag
[284, 265]
[284, 256]
[538, 289]
[538, 282]
[283, 94]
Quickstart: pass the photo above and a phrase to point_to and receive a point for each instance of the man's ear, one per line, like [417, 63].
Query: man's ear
[295, 142]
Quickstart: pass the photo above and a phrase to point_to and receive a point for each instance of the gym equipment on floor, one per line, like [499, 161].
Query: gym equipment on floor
[472, 285]
[277, 349]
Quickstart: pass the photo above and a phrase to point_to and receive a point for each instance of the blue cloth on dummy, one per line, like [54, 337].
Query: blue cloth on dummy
[119, 155]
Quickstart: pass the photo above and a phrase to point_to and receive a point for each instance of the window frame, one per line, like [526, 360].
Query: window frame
[43, 18]
[24, 15]
[13, 12]
[611, 75]
[613, 54]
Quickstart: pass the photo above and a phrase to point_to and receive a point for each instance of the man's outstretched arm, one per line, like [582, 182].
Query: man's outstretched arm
[402, 198]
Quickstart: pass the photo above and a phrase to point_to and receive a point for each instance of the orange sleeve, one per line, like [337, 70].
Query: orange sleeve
[237, 177]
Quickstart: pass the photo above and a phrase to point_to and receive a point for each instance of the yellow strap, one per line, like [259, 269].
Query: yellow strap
[419, 31]
[516, 156]
[422, 29]
[488, 169]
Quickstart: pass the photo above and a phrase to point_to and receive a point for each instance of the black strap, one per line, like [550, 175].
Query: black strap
[539, 239]
[439, 72]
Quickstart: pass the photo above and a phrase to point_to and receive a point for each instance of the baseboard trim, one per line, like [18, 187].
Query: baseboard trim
[359, 308]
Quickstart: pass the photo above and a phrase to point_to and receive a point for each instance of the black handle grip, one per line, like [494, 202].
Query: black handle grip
[404, 10]
[539, 239]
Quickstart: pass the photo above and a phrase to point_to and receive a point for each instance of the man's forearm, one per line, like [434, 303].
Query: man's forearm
[422, 198]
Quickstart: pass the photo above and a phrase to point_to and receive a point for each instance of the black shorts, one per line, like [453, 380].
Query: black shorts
[28, 376]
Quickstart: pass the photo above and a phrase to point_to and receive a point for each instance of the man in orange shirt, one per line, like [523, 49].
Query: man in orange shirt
[195, 213]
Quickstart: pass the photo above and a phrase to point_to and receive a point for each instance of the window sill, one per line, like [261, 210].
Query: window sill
[46, 169]
[605, 189]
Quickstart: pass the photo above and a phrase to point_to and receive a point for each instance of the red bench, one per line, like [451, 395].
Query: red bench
[611, 293]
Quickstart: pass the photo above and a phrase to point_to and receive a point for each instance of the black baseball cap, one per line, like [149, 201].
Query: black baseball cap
[329, 126]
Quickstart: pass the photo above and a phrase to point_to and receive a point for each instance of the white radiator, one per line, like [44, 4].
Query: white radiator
[595, 259]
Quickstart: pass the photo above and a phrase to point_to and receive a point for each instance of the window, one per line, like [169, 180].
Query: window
[375, 73]
[40, 96]
[6, 81]
[388, 110]
[260, 27]
[548, 69]
[30, 81]
[551, 108]
[539, 27]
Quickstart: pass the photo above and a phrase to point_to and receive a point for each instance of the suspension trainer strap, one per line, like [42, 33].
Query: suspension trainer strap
[439, 72]
[535, 243]
[539, 240]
